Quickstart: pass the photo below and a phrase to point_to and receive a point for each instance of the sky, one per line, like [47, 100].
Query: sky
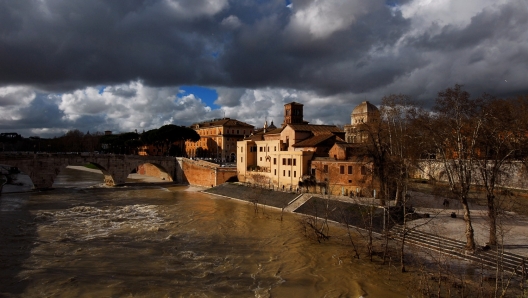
[139, 64]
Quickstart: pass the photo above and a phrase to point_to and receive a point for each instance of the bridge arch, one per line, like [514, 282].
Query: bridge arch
[43, 168]
[108, 179]
[154, 169]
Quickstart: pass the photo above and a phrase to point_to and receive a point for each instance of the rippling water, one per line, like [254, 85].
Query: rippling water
[79, 241]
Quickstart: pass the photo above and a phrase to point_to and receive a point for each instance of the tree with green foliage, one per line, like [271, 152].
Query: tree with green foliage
[167, 135]
[122, 143]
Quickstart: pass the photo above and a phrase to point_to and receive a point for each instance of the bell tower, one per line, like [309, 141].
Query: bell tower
[293, 114]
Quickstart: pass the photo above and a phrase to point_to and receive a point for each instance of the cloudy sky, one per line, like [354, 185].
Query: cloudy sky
[139, 64]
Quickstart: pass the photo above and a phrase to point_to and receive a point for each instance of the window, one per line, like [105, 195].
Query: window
[289, 161]
[289, 172]
[284, 161]
[275, 148]
[313, 172]
[325, 168]
[294, 174]
[274, 161]
[241, 159]
[261, 149]
[363, 170]
[241, 149]
[261, 158]
[294, 162]
[275, 172]
[350, 170]
[341, 170]
[284, 173]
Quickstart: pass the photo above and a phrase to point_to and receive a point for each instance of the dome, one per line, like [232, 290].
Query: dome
[365, 112]
[365, 107]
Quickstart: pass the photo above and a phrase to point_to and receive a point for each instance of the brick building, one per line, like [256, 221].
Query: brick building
[346, 171]
[218, 139]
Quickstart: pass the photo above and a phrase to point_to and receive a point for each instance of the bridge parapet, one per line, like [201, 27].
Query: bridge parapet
[43, 168]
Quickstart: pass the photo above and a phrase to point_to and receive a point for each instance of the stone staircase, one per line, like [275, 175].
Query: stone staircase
[488, 258]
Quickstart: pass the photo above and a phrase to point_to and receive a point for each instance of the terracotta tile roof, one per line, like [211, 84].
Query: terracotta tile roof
[316, 129]
[314, 141]
[255, 137]
[221, 122]
[275, 131]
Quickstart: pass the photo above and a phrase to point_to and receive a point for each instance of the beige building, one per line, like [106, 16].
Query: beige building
[364, 113]
[218, 139]
[281, 157]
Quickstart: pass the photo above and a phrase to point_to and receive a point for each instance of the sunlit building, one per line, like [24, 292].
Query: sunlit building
[218, 139]
[280, 157]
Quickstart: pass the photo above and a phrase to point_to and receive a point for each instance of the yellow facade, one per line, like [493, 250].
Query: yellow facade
[269, 163]
[218, 139]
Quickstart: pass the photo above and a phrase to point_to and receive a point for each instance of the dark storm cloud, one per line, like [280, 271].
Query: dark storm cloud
[508, 22]
[71, 44]
[79, 43]
[117, 65]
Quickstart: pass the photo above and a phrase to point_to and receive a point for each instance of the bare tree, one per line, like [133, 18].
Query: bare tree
[453, 128]
[496, 149]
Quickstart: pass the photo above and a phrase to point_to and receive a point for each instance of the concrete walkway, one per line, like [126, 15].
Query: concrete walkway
[298, 202]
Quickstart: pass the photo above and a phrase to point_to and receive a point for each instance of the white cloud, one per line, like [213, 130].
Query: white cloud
[127, 107]
[258, 105]
[13, 99]
[231, 22]
[196, 8]
[432, 15]
[321, 18]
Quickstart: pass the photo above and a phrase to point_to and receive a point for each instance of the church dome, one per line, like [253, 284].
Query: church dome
[365, 112]
[365, 107]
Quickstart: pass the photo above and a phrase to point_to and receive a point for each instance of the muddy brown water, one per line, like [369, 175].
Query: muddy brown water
[150, 241]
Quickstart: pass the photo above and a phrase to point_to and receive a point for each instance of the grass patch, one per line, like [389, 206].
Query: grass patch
[91, 166]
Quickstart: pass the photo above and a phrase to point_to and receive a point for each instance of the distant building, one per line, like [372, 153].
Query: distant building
[364, 113]
[8, 139]
[218, 139]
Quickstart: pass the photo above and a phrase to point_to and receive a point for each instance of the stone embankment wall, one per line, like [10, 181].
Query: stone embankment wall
[203, 173]
[513, 174]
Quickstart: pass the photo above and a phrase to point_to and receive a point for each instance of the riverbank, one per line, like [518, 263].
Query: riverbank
[514, 227]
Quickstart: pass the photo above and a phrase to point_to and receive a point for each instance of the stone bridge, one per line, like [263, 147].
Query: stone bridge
[42, 168]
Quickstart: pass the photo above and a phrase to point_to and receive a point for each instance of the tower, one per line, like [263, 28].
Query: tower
[293, 114]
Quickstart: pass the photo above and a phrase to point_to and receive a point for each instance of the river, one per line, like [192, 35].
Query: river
[80, 240]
